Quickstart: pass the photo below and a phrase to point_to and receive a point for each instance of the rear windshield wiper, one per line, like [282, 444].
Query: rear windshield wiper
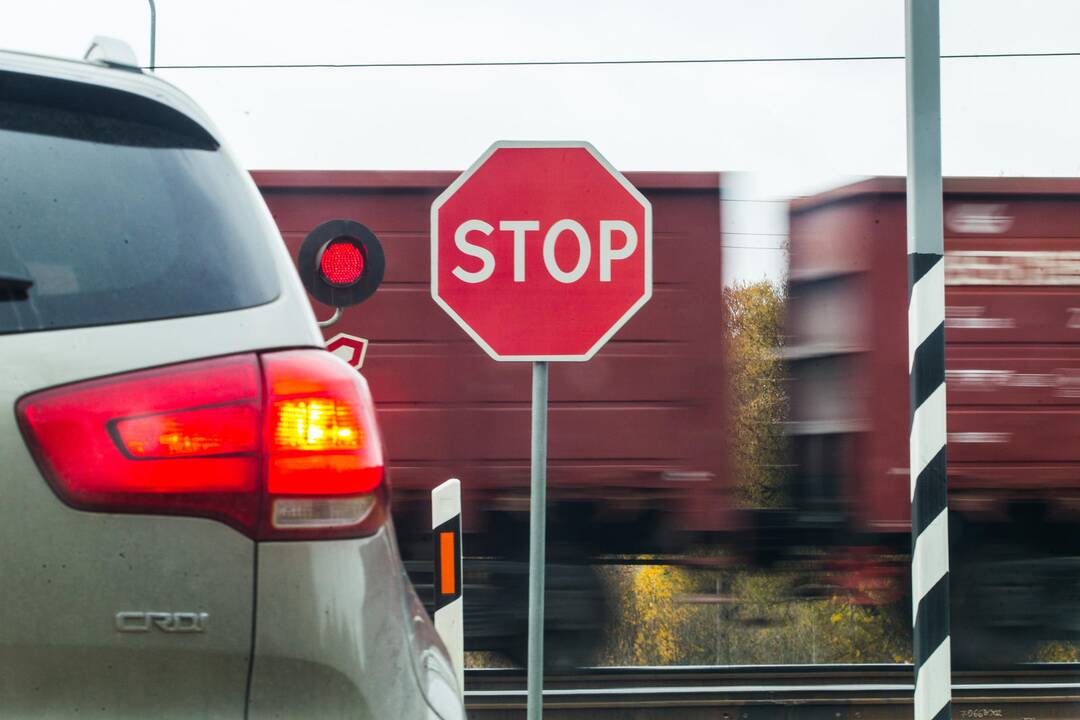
[14, 281]
[13, 285]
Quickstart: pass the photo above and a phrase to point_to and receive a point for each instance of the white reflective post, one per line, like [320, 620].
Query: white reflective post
[446, 536]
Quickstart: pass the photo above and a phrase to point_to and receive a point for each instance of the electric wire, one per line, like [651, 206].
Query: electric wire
[625, 61]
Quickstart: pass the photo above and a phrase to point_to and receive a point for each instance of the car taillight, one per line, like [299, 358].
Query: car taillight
[324, 455]
[282, 445]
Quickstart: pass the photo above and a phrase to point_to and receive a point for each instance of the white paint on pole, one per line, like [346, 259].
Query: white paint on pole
[927, 435]
[449, 611]
[928, 563]
[926, 310]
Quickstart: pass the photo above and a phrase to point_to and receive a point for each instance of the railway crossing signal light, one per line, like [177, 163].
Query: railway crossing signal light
[341, 263]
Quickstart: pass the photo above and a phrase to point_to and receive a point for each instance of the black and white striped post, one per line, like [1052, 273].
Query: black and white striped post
[926, 365]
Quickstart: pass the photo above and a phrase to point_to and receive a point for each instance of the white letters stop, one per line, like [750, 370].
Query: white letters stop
[566, 230]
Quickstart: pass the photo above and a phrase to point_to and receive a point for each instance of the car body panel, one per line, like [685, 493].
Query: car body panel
[67, 572]
[322, 609]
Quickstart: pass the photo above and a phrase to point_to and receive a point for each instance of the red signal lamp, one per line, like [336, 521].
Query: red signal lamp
[341, 262]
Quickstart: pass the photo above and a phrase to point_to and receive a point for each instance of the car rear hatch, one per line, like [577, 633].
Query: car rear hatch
[129, 240]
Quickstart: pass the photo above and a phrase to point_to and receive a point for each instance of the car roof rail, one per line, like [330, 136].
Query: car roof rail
[111, 52]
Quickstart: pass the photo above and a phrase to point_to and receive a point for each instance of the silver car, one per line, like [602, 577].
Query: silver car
[193, 509]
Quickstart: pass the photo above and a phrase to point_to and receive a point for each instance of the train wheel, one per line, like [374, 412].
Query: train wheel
[997, 616]
[576, 613]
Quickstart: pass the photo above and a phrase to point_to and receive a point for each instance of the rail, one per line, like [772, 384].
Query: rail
[792, 692]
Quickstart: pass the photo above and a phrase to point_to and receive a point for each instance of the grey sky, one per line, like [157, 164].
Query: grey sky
[799, 126]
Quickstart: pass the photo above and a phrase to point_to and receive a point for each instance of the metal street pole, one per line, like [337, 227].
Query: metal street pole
[153, 35]
[537, 533]
[926, 365]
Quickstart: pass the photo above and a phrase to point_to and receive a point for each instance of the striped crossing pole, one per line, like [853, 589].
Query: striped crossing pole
[446, 539]
[926, 366]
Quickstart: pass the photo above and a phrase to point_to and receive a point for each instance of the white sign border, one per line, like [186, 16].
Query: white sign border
[456, 185]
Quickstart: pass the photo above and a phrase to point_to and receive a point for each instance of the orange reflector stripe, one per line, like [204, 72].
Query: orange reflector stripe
[447, 579]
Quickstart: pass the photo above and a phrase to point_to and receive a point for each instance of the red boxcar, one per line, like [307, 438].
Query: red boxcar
[637, 435]
[1012, 274]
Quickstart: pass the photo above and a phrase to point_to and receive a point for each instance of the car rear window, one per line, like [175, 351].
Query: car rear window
[117, 214]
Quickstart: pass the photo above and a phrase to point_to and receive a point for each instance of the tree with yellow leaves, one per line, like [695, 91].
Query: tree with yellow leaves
[754, 333]
[675, 615]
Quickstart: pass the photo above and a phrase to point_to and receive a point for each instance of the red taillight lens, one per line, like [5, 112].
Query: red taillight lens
[319, 441]
[341, 263]
[203, 432]
[221, 439]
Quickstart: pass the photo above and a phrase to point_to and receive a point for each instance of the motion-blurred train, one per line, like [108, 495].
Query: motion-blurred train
[1012, 332]
[639, 435]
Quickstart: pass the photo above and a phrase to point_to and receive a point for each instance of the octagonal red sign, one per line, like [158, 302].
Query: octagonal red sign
[541, 251]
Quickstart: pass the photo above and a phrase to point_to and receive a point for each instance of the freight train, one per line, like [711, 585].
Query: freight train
[1012, 332]
[638, 436]
[637, 455]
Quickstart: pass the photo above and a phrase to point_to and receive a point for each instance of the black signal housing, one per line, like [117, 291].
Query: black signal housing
[338, 294]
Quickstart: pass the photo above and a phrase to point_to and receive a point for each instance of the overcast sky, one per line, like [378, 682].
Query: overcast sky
[800, 126]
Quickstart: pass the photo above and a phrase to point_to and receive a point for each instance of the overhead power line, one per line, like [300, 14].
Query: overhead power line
[658, 61]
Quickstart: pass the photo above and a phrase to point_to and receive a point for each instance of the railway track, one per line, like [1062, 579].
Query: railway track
[786, 692]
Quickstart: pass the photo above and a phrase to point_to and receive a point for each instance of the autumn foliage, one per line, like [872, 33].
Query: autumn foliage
[679, 615]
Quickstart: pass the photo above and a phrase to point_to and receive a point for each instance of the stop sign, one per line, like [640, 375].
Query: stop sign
[541, 251]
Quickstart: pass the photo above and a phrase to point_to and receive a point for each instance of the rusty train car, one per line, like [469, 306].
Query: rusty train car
[1012, 329]
[637, 440]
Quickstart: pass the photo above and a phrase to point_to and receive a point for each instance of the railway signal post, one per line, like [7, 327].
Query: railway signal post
[926, 366]
[540, 251]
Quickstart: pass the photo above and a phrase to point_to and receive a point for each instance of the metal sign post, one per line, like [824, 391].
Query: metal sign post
[537, 532]
[926, 365]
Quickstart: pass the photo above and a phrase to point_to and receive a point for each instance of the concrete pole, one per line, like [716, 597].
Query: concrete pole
[926, 365]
